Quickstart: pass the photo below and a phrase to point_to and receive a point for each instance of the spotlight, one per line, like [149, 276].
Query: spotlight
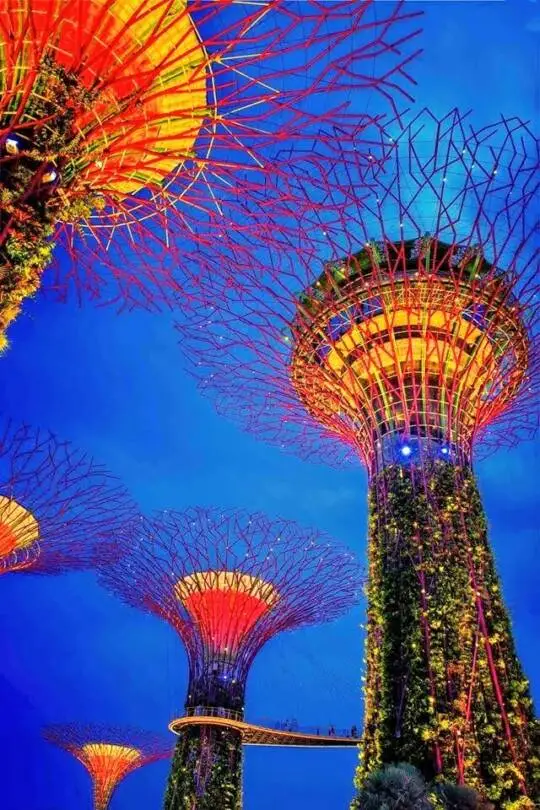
[49, 176]
[12, 146]
[406, 450]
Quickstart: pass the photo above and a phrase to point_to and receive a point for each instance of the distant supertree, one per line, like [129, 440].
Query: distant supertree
[227, 582]
[416, 348]
[57, 506]
[109, 754]
[151, 130]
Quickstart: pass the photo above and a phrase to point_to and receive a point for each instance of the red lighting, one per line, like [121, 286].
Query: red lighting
[224, 617]
[8, 539]
[109, 754]
[225, 605]
[60, 503]
[18, 528]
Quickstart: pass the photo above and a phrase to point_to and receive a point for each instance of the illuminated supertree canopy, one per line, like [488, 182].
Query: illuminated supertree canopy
[109, 754]
[415, 343]
[153, 129]
[227, 582]
[57, 506]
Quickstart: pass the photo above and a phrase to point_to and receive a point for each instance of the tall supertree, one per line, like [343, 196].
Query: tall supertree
[415, 344]
[227, 582]
[142, 138]
[57, 506]
[109, 754]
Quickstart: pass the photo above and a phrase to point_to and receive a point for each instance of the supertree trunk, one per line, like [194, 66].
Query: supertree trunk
[444, 687]
[227, 582]
[206, 771]
[207, 766]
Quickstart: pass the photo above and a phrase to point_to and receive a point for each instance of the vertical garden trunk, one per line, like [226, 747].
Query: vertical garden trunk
[206, 771]
[444, 687]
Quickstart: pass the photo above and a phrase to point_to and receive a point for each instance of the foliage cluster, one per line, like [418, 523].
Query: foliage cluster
[402, 787]
[444, 688]
[206, 770]
[29, 209]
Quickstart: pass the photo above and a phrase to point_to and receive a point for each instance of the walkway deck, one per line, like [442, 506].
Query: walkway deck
[253, 734]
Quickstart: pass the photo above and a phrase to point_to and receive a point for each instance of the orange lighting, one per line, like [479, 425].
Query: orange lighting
[108, 764]
[139, 38]
[18, 527]
[225, 605]
[406, 350]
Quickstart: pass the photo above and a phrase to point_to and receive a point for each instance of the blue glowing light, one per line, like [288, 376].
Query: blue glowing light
[406, 450]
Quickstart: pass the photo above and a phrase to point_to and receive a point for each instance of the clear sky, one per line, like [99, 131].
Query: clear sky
[115, 386]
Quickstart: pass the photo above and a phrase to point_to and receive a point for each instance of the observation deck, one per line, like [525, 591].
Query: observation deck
[258, 734]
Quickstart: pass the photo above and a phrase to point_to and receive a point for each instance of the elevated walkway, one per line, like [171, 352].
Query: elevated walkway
[259, 734]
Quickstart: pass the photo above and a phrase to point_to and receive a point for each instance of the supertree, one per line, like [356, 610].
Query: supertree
[142, 138]
[57, 506]
[227, 582]
[109, 754]
[417, 348]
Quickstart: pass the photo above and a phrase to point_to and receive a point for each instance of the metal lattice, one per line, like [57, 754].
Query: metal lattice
[108, 753]
[57, 506]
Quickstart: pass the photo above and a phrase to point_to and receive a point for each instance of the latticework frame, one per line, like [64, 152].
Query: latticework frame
[108, 753]
[448, 199]
[414, 344]
[154, 128]
[301, 577]
[227, 581]
[57, 506]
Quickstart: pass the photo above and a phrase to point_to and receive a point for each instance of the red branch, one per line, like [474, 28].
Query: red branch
[201, 115]
[258, 343]
[75, 503]
[181, 566]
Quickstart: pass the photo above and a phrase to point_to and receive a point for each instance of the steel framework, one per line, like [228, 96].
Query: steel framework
[109, 754]
[416, 349]
[153, 130]
[57, 506]
[227, 582]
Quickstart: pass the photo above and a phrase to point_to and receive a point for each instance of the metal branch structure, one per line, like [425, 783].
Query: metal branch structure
[227, 582]
[57, 506]
[142, 138]
[109, 754]
[412, 346]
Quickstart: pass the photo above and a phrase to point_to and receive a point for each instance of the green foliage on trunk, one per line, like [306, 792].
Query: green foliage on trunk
[206, 772]
[435, 616]
[458, 797]
[29, 209]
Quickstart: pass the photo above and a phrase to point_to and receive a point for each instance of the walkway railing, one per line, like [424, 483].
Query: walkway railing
[281, 730]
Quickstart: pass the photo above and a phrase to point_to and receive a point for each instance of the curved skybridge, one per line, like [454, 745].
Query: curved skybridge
[257, 734]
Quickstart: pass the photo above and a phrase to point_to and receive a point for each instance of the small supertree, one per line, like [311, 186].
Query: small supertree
[143, 137]
[227, 582]
[109, 754]
[57, 506]
[415, 344]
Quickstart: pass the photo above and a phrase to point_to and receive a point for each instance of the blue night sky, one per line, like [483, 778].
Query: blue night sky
[115, 386]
